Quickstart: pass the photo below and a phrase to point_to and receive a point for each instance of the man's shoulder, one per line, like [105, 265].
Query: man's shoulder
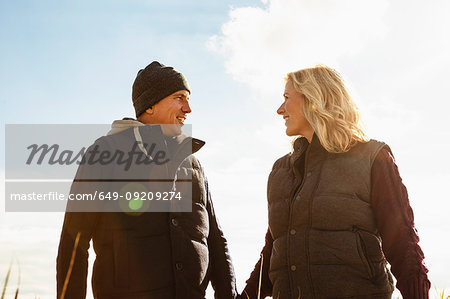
[121, 139]
[195, 163]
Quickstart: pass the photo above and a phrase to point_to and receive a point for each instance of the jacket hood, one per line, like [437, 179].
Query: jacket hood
[121, 125]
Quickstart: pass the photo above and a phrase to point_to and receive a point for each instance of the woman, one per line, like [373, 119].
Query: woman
[337, 206]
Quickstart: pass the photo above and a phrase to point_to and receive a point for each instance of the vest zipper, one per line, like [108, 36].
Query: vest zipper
[294, 194]
[308, 228]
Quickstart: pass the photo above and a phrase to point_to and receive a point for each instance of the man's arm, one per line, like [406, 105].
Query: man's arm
[72, 260]
[222, 273]
[74, 223]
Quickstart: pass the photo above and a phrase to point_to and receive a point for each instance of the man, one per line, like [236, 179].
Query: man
[147, 255]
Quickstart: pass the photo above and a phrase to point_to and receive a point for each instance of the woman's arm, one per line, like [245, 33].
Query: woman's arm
[395, 221]
[251, 289]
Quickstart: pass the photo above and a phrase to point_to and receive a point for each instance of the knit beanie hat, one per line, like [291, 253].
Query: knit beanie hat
[154, 83]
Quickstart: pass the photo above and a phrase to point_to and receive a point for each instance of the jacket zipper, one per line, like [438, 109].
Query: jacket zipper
[182, 145]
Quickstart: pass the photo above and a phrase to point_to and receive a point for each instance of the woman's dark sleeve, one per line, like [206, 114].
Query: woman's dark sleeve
[251, 289]
[395, 221]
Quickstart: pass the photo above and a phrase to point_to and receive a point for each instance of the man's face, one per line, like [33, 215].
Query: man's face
[173, 109]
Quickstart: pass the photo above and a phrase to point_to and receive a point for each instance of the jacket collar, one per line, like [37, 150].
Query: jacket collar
[126, 123]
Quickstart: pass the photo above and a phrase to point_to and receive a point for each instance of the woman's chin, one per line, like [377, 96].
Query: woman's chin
[290, 133]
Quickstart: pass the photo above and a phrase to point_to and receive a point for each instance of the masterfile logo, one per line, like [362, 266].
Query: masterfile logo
[83, 168]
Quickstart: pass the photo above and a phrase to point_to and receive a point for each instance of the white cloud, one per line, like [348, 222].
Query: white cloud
[261, 45]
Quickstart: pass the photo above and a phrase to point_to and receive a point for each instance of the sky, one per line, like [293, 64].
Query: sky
[73, 62]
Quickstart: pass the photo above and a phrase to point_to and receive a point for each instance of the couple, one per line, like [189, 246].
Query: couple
[338, 210]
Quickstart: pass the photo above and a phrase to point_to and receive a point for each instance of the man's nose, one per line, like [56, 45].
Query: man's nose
[187, 108]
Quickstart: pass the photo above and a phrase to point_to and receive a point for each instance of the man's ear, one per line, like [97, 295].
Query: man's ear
[150, 111]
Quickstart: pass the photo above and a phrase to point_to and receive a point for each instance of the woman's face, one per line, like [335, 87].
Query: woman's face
[292, 112]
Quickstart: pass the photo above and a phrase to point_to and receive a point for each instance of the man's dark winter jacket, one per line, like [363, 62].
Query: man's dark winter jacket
[325, 239]
[152, 254]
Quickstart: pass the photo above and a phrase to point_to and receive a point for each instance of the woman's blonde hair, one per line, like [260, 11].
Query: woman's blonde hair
[329, 108]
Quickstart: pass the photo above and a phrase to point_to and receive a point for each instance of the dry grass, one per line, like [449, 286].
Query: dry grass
[16, 295]
[439, 294]
[69, 271]
[66, 281]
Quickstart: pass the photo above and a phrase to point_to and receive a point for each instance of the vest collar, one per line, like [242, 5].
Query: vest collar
[315, 152]
[300, 144]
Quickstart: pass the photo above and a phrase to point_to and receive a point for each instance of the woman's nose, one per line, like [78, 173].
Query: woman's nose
[281, 110]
